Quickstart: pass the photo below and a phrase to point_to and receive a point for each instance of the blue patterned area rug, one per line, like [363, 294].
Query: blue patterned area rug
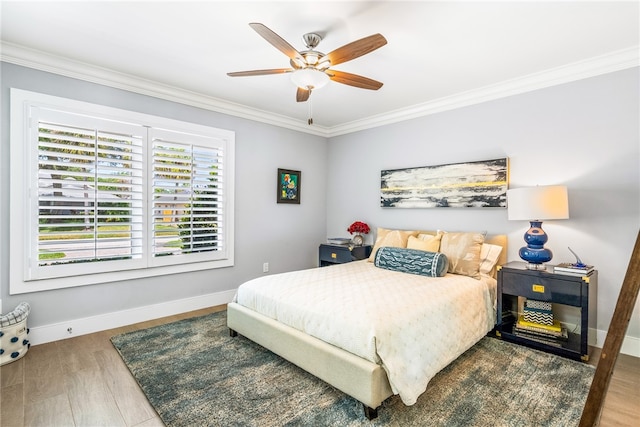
[195, 374]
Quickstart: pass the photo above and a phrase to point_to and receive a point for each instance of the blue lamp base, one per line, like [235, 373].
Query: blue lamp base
[535, 254]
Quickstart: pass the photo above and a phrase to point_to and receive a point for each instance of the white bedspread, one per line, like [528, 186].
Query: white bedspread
[412, 325]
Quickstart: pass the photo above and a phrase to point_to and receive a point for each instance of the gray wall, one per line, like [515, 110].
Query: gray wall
[286, 236]
[583, 135]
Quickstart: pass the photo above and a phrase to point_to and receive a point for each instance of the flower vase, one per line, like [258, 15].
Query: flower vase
[358, 239]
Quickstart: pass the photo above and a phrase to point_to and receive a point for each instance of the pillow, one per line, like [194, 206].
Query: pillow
[393, 238]
[489, 255]
[412, 261]
[463, 252]
[425, 242]
[426, 236]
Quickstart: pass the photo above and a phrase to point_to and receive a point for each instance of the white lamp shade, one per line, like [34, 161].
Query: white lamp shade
[538, 203]
[309, 77]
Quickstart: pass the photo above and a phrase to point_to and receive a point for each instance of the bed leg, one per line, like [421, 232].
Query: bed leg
[370, 413]
[232, 333]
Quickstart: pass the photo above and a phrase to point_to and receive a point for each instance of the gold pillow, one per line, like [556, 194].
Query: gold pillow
[463, 252]
[393, 238]
[425, 242]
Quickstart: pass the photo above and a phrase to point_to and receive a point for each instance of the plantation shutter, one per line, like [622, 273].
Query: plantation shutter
[90, 189]
[102, 195]
[188, 195]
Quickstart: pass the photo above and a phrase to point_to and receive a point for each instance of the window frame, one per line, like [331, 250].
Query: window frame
[24, 164]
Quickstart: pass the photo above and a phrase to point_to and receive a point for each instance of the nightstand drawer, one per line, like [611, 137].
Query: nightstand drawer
[539, 288]
[335, 254]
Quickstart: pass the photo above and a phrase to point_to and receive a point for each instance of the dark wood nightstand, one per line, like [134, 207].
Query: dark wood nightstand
[337, 254]
[515, 280]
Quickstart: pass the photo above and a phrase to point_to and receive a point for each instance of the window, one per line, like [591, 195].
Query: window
[188, 195]
[101, 194]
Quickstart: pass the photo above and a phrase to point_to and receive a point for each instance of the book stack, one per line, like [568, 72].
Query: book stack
[537, 324]
[342, 241]
[573, 269]
[538, 312]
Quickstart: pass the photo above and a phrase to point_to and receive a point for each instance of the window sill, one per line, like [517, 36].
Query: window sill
[21, 287]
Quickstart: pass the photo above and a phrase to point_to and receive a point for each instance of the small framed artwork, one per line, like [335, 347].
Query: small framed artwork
[289, 186]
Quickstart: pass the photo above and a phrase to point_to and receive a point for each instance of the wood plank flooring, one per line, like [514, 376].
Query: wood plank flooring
[82, 381]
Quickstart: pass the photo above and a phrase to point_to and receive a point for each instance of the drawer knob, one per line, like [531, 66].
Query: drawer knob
[538, 288]
[333, 255]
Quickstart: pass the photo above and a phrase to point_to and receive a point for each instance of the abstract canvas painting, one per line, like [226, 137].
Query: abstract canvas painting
[471, 184]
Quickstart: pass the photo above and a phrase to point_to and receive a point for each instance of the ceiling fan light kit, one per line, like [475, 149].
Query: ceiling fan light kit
[311, 69]
[309, 78]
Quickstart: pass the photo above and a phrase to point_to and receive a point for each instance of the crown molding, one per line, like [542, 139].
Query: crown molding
[608, 63]
[47, 62]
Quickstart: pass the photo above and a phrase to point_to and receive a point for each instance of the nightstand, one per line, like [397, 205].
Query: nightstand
[515, 280]
[337, 254]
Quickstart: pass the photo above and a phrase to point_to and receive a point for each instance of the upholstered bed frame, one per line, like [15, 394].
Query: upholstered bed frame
[359, 378]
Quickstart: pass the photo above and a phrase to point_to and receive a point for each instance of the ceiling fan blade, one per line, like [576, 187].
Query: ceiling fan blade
[260, 72]
[353, 80]
[302, 95]
[278, 42]
[356, 49]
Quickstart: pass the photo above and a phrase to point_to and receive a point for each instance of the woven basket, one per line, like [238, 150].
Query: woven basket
[13, 334]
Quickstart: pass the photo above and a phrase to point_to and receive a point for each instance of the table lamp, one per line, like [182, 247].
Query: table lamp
[536, 204]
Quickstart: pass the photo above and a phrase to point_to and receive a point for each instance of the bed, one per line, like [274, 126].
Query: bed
[375, 328]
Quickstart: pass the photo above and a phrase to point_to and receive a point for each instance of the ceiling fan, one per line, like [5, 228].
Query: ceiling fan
[311, 69]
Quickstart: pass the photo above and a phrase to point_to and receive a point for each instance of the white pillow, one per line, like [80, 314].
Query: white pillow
[489, 255]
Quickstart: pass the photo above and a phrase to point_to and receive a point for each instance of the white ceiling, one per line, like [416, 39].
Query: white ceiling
[439, 54]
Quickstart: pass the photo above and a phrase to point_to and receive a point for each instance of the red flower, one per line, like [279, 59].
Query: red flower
[358, 227]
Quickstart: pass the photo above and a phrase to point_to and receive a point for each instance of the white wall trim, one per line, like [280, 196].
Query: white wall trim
[88, 325]
[596, 337]
[614, 61]
[603, 64]
[47, 62]
[630, 345]
[102, 322]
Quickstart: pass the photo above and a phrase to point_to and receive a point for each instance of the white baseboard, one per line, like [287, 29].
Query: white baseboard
[88, 325]
[596, 337]
[630, 345]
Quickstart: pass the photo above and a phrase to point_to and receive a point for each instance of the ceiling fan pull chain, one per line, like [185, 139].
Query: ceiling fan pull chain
[310, 120]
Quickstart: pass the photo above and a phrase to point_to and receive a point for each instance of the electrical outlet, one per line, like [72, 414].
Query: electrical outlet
[265, 267]
[70, 330]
